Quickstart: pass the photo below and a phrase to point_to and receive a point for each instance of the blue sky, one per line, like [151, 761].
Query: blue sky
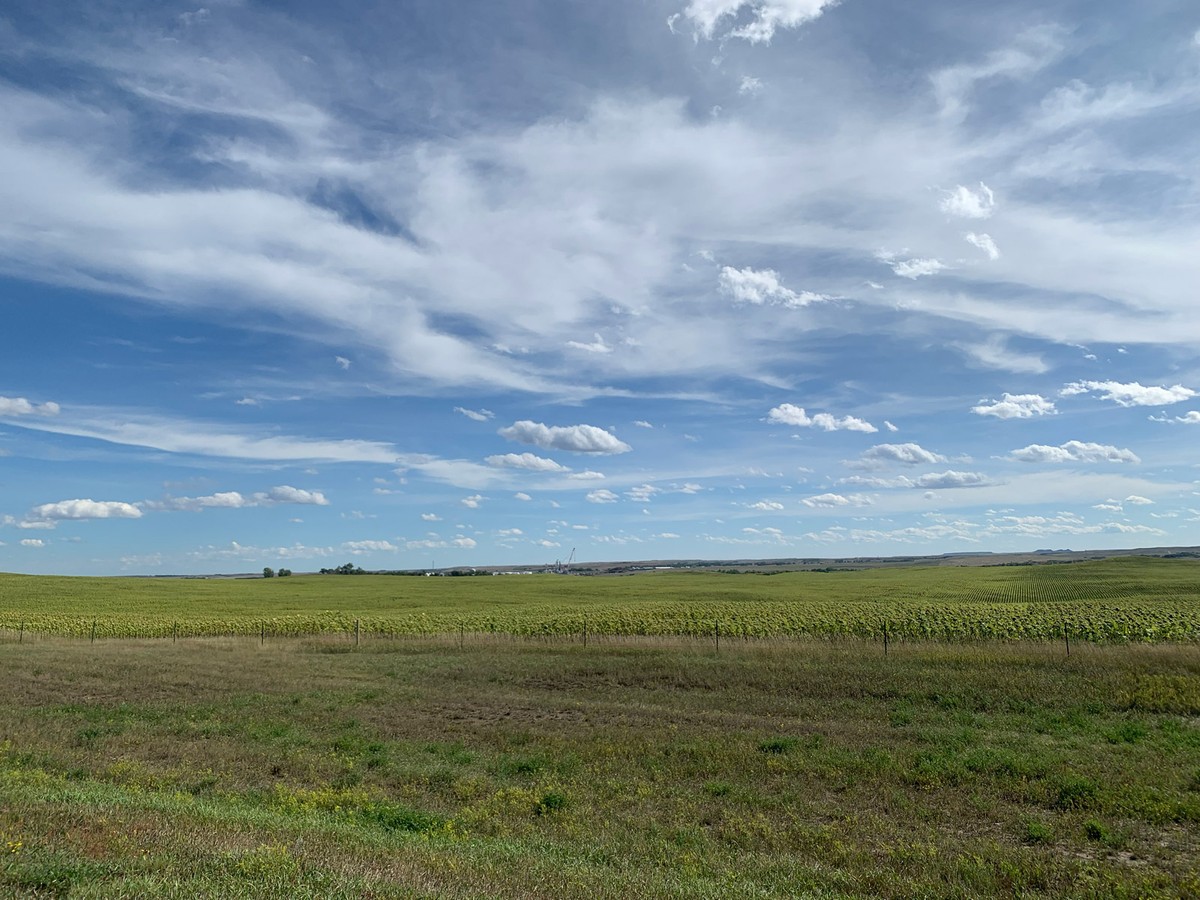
[299, 284]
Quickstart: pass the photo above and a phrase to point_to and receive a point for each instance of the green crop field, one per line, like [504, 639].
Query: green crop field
[1133, 599]
[511, 760]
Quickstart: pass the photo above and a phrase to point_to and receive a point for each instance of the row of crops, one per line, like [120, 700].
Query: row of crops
[1096, 622]
[1118, 600]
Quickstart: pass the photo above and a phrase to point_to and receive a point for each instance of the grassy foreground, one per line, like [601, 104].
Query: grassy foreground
[636, 768]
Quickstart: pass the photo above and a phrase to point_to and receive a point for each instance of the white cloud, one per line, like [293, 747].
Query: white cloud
[750, 85]
[642, 493]
[641, 423]
[907, 454]
[359, 547]
[951, 479]
[790, 414]
[984, 242]
[1073, 451]
[763, 287]
[19, 406]
[431, 517]
[473, 501]
[768, 15]
[285, 493]
[85, 509]
[343, 362]
[765, 505]
[1138, 500]
[1131, 394]
[465, 543]
[915, 268]
[969, 204]
[597, 346]
[994, 353]
[527, 461]
[1015, 406]
[1189, 418]
[133, 429]
[33, 542]
[234, 500]
[602, 496]
[829, 501]
[930, 481]
[575, 438]
[889, 426]
[522, 496]
[479, 415]
[586, 475]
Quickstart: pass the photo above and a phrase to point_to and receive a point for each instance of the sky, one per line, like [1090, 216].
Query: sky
[413, 284]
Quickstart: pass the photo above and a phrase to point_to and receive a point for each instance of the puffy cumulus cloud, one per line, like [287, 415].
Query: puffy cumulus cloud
[1138, 500]
[642, 423]
[837, 501]
[84, 509]
[915, 268]
[33, 542]
[984, 242]
[473, 501]
[219, 500]
[357, 548]
[643, 493]
[968, 203]
[1131, 394]
[430, 517]
[1062, 523]
[1015, 406]
[19, 406]
[460, 541]
[1074, 451]
[766, 16]
[908, 454]
[586, 475]
[285, 493]
[280, 494]
[790, 414]
[602, 496]
[1189, 418]
[575, 438]
[479, 415]
[951, 479]
[766, 505]
[527, 461]
[522, 496]
[763, 287]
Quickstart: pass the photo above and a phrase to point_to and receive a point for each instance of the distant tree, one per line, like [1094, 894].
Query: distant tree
[268, 572]
[284, 573]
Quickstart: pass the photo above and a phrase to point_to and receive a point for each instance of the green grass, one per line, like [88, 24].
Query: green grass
[1120, 600]
[647, 768]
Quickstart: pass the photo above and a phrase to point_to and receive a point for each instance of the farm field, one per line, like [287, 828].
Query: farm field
[1117, 600]
[471, 744]
[513, 768]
